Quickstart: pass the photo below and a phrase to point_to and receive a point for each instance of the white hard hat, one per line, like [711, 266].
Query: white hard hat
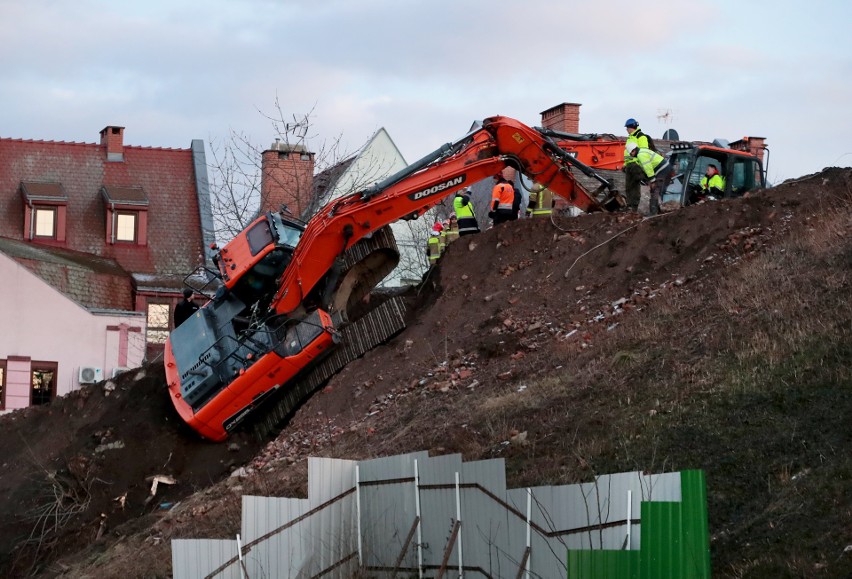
[631, 146]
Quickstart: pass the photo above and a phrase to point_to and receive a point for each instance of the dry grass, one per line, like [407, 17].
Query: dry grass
[795, 293]
[748, 379]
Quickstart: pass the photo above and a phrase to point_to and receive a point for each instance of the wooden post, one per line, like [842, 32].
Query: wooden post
[405, 547]
[448, 550]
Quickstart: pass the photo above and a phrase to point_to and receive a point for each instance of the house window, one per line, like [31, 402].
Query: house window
[43, 380]
[125, 226]
[45, 210]
[2, 384]
[44, 221]
[126, 214]
[158, 323]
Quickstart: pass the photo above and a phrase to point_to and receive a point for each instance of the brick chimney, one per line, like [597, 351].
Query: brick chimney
[113, 139]
[287, 175]
[753, 145]
[564, 117]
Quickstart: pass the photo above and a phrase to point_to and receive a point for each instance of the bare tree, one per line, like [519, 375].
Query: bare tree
[239, 187]
[234, 184]
[237, 190]
[411, 237]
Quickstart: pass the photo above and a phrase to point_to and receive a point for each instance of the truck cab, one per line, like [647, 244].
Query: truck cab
[741, 171]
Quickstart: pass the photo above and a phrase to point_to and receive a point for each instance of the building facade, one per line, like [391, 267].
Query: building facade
[95, 242]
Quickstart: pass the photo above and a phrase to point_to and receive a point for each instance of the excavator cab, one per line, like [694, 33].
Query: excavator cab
[741, 171]
[234, 328]
[259, 256]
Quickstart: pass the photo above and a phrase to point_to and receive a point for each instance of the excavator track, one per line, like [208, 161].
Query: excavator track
[359, 337]
[363, 266]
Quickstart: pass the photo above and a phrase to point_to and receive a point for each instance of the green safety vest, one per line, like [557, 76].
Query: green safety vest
[463, 211]
[649, 161]
[451, 233]
[642, 141]
[541, 203]
[433, 248]
[715, 181]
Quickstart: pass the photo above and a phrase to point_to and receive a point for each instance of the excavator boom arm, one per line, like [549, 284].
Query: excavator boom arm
[267, 329]
[501, 142]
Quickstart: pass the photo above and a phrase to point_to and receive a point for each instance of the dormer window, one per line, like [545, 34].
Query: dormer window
[45, 206]
[126, 215]
[125, 226]
[44, 222]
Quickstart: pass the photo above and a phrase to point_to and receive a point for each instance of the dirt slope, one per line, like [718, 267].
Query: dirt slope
[77, 469]
[716, 337]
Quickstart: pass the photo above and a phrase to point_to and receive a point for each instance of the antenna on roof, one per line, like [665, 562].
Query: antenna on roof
[671, 135]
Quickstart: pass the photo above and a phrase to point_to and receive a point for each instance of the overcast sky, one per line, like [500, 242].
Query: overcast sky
[172, 71]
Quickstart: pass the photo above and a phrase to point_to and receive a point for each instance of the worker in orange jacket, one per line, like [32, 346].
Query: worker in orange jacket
[502, 201]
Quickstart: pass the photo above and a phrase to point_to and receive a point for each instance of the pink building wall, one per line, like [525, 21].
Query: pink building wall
[38, 323]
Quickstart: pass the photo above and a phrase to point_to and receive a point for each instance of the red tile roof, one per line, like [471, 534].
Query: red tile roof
[43, 191]
[165, 177]
[91, 281]
[125, 195]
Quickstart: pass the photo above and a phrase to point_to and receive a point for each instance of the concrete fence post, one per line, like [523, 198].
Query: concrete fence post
[419, 518]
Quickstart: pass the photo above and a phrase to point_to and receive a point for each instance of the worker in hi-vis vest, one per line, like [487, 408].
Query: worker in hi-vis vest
[633, 175]
[541, 201]
[451, 233]
[712, 183]
[655, 168]
[433, 247]
[502, 200]
[463, 207]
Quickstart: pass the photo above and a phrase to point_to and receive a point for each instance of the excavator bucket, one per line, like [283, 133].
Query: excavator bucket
[365, 264]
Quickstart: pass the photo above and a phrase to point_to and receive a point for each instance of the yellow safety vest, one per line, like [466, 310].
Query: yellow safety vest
[641, 141]
[541, 203]
[649, 161]
[452, 233]
[715, 181]
[461, 210]
[433, 248]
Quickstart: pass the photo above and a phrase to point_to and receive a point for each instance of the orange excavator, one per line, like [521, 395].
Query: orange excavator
[599, 151]
[283, 302]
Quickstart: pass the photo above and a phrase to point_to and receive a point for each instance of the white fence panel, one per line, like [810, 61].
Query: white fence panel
[284, 552]
[389, 510]
[502, 532]
[196, 558]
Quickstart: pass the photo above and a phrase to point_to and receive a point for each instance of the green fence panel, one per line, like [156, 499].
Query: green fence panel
[675, 541]
[603, 564]
[661, 555]
[696, 533]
